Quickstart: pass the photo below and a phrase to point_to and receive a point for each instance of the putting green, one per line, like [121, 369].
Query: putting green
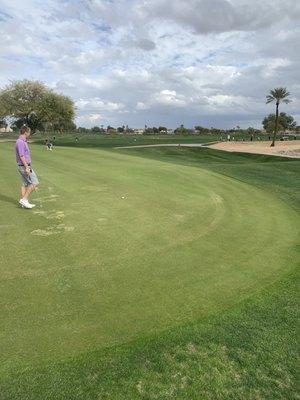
[120, 246]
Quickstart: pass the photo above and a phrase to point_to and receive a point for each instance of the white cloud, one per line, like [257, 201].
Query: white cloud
[142, 106]
[156, 62]
[206, 16]
[169, 98]
[94, 117]
[97, 104]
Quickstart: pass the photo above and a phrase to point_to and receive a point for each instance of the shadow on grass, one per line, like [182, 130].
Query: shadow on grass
[7, 199]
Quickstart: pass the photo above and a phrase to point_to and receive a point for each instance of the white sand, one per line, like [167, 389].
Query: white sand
[289, 148]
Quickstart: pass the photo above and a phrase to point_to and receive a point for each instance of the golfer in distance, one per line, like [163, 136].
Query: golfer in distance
[28, 176]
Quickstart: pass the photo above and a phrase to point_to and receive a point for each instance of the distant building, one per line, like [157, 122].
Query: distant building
[6, 129]
[139, 131]
[170, 131]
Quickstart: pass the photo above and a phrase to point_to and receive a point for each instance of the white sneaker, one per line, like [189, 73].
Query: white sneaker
[25, 203]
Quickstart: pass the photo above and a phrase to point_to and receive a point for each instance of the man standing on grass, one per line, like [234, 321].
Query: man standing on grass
[28, 176]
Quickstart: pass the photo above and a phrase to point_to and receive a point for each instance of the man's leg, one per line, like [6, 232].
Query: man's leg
[23, 191]
[29, 184]
[28, 190]
[33, 184]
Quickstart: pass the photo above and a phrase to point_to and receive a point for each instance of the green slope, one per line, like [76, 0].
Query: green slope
[89, 269]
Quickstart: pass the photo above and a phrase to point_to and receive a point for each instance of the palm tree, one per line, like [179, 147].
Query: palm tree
[278, 95]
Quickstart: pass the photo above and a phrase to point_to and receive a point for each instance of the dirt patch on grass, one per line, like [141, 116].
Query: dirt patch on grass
[39, 212]
[47, 199]
[289, 148]
[216, 199]
[44, 232]
[179, 217]
[53, 230]
[102, 219]
[56, 215]
[66, 228]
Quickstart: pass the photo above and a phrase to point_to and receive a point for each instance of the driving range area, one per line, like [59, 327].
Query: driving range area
[156, 273]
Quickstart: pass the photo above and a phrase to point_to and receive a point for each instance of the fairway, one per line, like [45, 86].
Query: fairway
[121, 247]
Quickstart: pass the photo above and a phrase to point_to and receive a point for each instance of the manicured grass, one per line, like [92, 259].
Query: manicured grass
[108, 141]
[278, 175]
[185, 288]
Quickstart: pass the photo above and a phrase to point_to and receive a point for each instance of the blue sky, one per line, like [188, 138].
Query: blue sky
[196, 62]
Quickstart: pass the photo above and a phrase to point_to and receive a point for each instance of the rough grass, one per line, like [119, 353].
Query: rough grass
[215, 327]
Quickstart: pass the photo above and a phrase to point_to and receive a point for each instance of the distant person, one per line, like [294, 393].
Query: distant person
[76, 139]
[28, 176]
[228, 138]
[251, 138]
[49, 145]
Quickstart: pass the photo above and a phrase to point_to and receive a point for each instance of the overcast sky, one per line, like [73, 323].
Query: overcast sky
[156, 62]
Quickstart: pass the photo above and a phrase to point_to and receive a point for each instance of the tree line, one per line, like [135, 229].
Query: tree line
[33, 104]
[286, 123]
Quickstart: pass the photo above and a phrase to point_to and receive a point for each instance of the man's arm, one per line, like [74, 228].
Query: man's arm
[27, 169]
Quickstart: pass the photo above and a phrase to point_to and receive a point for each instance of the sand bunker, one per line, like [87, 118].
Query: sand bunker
[289, 148]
